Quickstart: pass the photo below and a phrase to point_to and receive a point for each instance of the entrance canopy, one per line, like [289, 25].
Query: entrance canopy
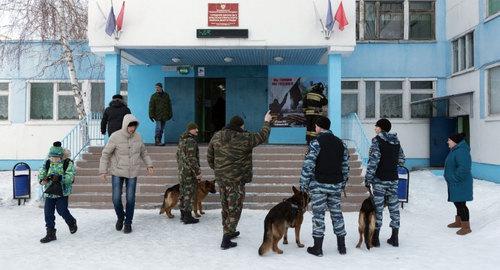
[203, 56]
[450, 105]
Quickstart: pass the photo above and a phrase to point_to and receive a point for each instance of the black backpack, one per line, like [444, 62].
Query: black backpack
[65, 165]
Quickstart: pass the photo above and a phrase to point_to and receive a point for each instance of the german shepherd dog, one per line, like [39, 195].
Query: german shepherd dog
[171, 197]
[287, 214]
[366, 222]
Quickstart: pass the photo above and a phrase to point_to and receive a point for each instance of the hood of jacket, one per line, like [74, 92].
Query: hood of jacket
[117, 104]
[462, 144]
[127, 119]
[391, 138]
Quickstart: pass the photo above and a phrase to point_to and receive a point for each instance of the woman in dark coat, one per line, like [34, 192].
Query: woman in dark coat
[458, 176]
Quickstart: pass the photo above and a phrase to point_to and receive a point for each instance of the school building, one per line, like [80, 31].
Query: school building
[431, 66]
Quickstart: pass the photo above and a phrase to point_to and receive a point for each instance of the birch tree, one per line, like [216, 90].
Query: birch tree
[62, 27]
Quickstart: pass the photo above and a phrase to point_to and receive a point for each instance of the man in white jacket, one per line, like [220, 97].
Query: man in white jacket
[124, 149]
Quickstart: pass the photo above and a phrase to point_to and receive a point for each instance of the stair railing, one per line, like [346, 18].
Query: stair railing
[86, 133]
[353, 133]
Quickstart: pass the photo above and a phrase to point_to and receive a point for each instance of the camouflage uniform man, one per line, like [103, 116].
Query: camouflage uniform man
[230, 156]
[313, 108]
[382, 174]
[188, 161]
[324, 176]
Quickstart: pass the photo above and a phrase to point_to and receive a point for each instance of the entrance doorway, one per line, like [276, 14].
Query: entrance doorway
[210, 106]
[441, 128]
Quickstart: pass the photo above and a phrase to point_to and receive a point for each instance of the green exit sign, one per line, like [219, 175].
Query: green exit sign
[222, 33]
[183, 70]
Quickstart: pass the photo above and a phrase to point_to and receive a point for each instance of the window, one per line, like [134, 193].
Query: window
[421, 90]
[494, 90]
[391, 99]
[370, 99]
[463, 52]
[384, 20]
[50, 101]
[97, 96]
[4, 101]
[493, 7]
[421, 20]
[349, 97]
[42, 101]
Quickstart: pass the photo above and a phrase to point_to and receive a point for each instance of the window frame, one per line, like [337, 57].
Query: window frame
[123, 93]
[390, 92]
[361, 21]
[487, 11]
[489, 115]
[352, 92]
[6, 93]
[465, 53]
[423, 92]
[55, 104]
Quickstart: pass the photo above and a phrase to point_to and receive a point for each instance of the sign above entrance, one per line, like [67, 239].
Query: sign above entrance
[223, 14]
[222, 33]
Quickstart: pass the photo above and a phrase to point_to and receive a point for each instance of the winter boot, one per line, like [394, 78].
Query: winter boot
[158, 141]
[394, 238]
[183, 216]
[341, 245]
[189, 219]
[119, 224]
[127, 228]
[456, 224]
[465, 228]
[51, 236]
[73, 228]
[234, 235]
[317, 249]
[226, 242]
[375, 239]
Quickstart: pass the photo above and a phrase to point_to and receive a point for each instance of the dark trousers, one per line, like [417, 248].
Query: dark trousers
[61, 205]
[130, 185]
[462, 210]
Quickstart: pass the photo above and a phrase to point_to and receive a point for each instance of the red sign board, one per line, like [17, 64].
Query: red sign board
[223, 14]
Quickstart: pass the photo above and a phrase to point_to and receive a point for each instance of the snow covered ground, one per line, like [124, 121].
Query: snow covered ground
[160, 243]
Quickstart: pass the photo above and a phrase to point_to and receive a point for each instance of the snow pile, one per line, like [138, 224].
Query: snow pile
[161, 243]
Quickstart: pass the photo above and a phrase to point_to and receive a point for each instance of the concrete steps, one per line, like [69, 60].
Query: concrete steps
[276, 170]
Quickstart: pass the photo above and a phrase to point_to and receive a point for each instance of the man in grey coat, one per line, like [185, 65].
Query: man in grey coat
[124, 150]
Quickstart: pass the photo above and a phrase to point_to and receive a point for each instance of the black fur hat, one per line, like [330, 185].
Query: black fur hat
[384, 124]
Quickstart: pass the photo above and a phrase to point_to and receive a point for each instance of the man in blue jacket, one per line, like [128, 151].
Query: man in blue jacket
[386, 154]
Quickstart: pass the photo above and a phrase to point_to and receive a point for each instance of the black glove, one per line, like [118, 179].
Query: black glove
[152, 119]
[56, 178]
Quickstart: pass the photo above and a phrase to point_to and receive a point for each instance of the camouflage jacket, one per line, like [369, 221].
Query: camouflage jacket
[188, 156]
[160, 107]
[374, 156]
[57, 169]
[307, 181]
[230, 154]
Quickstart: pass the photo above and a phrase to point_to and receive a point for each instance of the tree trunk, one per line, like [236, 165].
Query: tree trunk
[70, 64]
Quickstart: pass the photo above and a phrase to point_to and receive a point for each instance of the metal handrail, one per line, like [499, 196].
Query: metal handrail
[86, 133]
[353, 133]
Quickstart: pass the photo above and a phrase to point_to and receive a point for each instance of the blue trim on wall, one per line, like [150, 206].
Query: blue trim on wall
[488, 172]
[8, 164]
[287, 135]
[111, 76]
[334, 93]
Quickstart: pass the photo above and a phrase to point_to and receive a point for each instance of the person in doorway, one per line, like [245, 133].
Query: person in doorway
[324, 176]
[56, 176]
[313, 108]
[113, 115]
[188, 161]
[230, 156]
[160, 111]
[386, 154]
[124, 149]
[458, 176]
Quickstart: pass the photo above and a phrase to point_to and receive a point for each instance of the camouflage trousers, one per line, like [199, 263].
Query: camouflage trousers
[383, 190]
[232, 197]
[327, 197]
[187, 192]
